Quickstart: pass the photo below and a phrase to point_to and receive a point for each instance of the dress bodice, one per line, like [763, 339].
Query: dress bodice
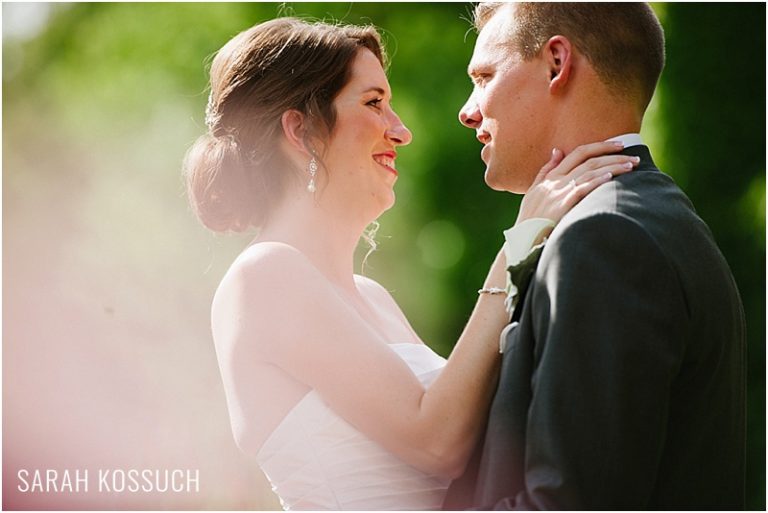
[315, 460]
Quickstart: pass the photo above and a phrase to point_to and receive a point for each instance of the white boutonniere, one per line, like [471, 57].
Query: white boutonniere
[522, 256]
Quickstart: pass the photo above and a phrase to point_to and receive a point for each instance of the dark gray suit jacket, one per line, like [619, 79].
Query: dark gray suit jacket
[623, 385]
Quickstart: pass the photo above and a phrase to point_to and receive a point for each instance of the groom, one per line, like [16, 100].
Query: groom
[622, 382]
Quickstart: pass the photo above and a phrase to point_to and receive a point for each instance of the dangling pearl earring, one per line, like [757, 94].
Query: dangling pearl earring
[312, 172]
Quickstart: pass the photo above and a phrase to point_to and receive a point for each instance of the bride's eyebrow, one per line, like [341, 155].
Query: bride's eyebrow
[375, 89]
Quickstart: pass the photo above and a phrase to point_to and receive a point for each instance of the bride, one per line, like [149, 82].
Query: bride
[328, 386]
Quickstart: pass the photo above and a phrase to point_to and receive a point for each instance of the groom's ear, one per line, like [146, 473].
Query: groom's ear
[558, 54]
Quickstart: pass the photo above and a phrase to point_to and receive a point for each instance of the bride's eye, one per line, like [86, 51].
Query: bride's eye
[376, 103]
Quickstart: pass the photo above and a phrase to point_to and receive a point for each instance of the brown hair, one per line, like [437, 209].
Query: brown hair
[624, 42]
[235, 174]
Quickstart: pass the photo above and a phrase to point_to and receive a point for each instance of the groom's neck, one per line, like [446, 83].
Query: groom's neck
[593, 117]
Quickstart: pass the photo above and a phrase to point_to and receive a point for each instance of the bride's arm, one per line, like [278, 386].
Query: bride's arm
[276, 306]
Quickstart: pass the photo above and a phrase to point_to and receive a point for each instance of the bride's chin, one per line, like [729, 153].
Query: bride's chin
[380, 202]
[389, 202]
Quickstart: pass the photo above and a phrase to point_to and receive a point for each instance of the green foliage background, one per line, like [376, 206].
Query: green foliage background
[108, 278]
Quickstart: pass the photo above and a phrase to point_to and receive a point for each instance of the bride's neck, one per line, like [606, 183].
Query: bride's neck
[322, 234]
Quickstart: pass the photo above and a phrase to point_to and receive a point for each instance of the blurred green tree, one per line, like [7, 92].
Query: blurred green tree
[712, 124]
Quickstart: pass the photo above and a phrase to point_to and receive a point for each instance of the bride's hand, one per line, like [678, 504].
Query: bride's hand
[563, 182]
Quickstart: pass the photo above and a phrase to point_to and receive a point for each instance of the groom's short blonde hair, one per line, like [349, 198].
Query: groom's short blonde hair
[624, 42]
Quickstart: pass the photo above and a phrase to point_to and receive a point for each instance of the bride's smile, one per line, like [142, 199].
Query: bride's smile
[387, 160]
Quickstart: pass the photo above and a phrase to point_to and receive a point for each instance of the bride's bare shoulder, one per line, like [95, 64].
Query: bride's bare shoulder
[268, 261]
[267, 253]
[260, 274]
[369, 286]
[375, 291]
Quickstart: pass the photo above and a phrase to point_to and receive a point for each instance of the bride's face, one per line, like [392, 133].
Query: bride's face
[361, 154]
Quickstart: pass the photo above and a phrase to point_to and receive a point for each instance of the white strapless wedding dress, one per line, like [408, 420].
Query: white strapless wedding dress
[315, 460]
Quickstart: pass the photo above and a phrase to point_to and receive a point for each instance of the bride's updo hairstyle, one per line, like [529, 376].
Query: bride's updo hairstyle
[236, 173]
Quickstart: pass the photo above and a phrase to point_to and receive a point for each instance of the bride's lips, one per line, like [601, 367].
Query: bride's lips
[386, 160]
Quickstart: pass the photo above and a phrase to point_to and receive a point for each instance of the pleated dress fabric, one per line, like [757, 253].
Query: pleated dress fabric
[315, 460]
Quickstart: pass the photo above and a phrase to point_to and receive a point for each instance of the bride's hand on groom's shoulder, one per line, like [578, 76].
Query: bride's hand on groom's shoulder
[566, 180]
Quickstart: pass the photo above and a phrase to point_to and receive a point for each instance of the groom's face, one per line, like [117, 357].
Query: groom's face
[507, 107]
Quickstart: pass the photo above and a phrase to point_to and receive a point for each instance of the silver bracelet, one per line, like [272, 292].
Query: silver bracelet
[492, 290]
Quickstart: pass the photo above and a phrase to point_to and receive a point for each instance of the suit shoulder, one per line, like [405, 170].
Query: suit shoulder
[604, 234]
[598, 224]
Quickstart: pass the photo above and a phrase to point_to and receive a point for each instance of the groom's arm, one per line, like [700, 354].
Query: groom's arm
[609, 317]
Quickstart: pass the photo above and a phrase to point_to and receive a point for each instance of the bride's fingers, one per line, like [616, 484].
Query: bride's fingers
[588, 182]
[596, 163]
[615, 168]
[554, 160]
[582, 153]
[593, 180]
[558, 189]
[581, 190]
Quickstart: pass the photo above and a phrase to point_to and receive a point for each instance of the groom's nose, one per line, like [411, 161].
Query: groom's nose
[470, 115]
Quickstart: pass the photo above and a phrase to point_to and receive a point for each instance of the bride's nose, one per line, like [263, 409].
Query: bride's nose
[397, 132]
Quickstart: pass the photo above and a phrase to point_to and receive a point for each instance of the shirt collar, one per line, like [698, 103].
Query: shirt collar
[628, 140]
